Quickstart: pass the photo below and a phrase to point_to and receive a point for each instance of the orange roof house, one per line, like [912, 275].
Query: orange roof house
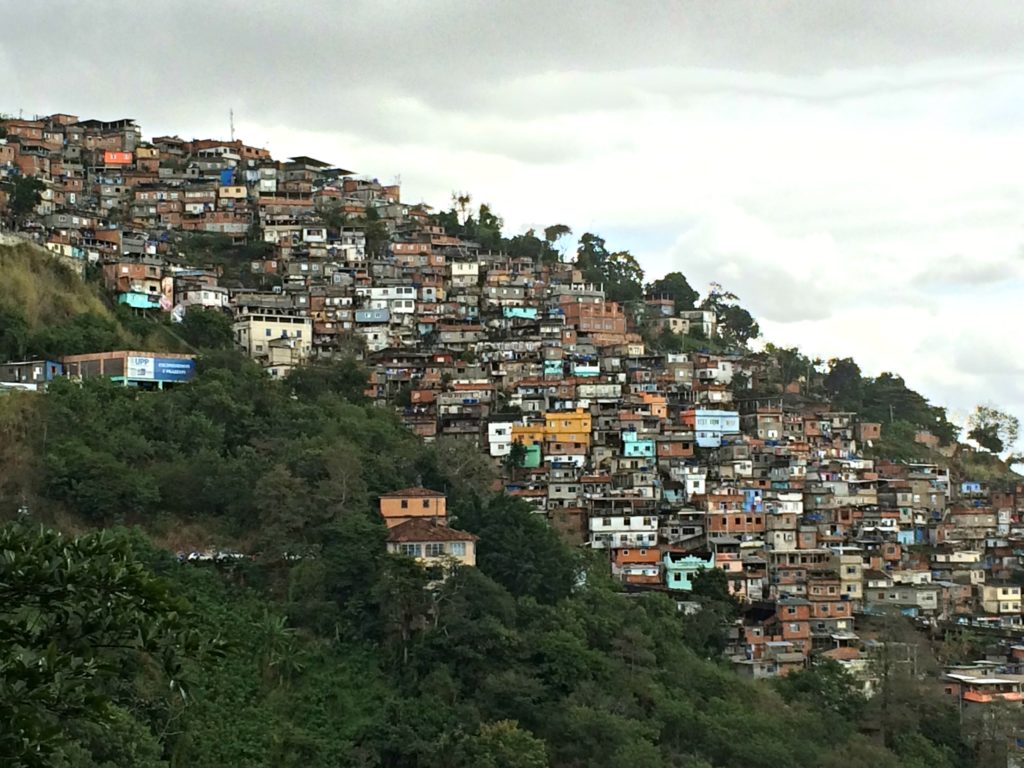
[431, 543]
[398, 507]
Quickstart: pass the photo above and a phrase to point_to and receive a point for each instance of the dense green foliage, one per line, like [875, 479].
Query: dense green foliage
[674, 286]
[618, 271]
[74, 616]
[345, 660]
[26, 192]
[333, 653]
[207, 329]
[992, 429]
[885, 398]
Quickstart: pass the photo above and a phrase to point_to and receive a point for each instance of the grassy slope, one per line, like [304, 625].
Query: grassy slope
[47, 293]
[44, 290]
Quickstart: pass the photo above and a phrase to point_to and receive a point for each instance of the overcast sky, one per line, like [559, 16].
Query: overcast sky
[851, 170]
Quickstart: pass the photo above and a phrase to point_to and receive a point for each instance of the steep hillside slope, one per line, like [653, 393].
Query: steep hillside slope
[44, 291]
[47, 309]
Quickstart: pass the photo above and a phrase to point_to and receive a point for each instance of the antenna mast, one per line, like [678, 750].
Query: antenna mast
[231, 120]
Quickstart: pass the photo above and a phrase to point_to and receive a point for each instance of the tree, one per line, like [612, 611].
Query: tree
[14, 334]
[73, 612]
[501, 745]
[844, 384]
[346, 377]
[618, 272]
[286, 512]
[718, 298]
[667, 341]
[461, 202]
[519, 550]
[96, 484]
[552, 235]
[826, 688]
[792, 365]
[526, 245]
[278, 649]
[81, 334]
[404, 603]
[992, 429]
[733, 321]
[739, 323]
[376, 232]
[485, 229]
[207, 328]
[675, 286]
[26, 194]
[464, 470]
[516, 457]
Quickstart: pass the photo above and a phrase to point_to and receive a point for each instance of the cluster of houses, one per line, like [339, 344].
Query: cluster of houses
[666, 463]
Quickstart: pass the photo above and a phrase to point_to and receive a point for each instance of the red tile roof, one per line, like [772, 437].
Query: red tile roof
[419, 529]
[413, 493]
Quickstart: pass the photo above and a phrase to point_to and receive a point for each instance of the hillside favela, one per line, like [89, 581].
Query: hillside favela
[296, 471]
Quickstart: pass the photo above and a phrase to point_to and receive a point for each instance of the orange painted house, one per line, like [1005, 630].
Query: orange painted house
[398, 507]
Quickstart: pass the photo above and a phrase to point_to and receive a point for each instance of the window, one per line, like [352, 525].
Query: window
[405, 504]
[435, 549]
[426, 503]
[410, 550]
[268, 332]
[457, 548]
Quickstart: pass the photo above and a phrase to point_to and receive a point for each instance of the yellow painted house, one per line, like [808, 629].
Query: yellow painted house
[567, 426]
[528, 434]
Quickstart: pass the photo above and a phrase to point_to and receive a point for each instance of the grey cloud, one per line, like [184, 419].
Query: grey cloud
[307, 60]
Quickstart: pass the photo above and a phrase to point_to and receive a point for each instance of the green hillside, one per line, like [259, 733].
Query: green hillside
[46, 309]
[323, 650]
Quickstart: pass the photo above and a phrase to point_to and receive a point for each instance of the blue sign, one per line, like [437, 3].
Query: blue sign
[165, 369]
[174, 369]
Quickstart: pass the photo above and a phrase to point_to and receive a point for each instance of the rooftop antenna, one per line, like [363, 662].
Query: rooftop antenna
[231, 119]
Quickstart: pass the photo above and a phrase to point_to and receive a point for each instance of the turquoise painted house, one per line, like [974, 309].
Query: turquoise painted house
[525, 313]
[680, 569]
[633, 447]
[532, 459]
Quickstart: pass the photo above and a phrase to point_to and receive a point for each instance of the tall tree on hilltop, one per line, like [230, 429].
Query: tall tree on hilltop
[552, 235]
[460, 203]
[733, 320]
[844, 383]
[992, 429]
[619, 272]
[675, 286]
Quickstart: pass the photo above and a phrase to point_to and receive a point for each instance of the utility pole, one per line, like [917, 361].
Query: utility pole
[231, 121]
